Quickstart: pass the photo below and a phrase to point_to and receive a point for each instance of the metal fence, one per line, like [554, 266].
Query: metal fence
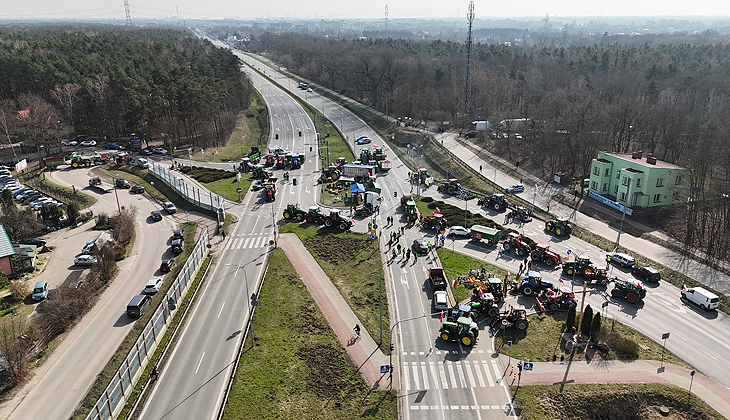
[118, 391]
[198, 196]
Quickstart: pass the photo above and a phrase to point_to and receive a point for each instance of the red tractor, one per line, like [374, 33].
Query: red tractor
[451, 186]
[434, 221]
[270, 159]
[542, 253]
[314, 215]
[597, 274]
[335, 219]
[514, 240]
[560, 299]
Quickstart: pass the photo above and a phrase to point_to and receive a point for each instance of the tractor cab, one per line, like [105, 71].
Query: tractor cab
[405, 199]
[533, 284]
[522, 214]
[340, 161]
[270, 159]
[496, 288]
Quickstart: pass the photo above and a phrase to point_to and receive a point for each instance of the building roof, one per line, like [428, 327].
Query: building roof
[642, 161]
[6, 248]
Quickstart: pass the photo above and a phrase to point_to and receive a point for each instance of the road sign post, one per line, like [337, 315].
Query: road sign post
[664, 337]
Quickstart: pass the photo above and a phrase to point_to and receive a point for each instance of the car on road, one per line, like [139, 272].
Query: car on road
[113, 146]
[123, 183]
[309, 89]
[68, 142]
[471, 134]
[169, 207]
[159, 151]
[458, 231]
[257, 185]
[40, 291]
[701, 297]
[85, 260]
[624, 260]
[88, 247]
[363, 140]
[646, 272]
[167, 265]
[515, 188]
[145, 152]
[88, 143]
[33, 241]
[153, 285]
[156, 215]
[440, 300]
[420, 246]
[137, 189]
[178, 234]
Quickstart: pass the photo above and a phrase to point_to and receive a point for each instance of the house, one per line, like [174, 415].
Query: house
[27, 254]
[642, 182]
[6, 252]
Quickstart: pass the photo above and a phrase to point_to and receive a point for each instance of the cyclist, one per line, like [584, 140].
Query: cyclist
[357, 330]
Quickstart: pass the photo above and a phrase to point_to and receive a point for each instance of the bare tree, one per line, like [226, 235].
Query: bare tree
[38, 120]
[17, 344]
[67, 97]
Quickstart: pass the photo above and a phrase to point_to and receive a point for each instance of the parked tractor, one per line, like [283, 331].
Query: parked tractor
[314, 215]
[514, 241]
[484, 303]
[533, 284]
[77, 161]
[630, 289]
[559, 226]
[270, 159]
[293, 211]
[463, 330]
[560, 299]
[331, 172]
[270, 188]
[581, 265]
[420, 176]
[521, 214]
[407, 197]
[542, 253]
[254, 155]
[483, 284]
[516, 317]
[451, 186]
[259, 172]
[598, 275]
[496, 202]
[335, 219]
[435, 221]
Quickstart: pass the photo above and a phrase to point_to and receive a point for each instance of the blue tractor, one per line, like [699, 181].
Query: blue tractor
[533, 284]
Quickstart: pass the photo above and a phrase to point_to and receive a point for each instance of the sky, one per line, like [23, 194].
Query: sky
[357, 9]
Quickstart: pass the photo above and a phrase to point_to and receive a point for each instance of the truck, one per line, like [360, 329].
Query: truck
[513, 124]
[100, 185]
[135, 143]
[480, 125]
[437, 277]
[371, 204]
[359, 173]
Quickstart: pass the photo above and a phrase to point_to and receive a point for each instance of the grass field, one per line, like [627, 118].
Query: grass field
[298, 368]
[609, 401]
[456, 264]
[354, 267]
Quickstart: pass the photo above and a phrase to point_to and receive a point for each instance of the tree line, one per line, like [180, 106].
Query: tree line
[110, 82]
[669, 99]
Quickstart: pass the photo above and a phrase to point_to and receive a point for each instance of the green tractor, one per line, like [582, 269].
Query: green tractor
[331, 172]
[559, 226]
[463, 330]
[484, 303]
[631, 290]
[77, 161]
[411, 211]
[580, 265]
[314, 215]
[293, 211]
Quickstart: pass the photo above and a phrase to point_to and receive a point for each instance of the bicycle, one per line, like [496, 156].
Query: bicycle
[356, 336]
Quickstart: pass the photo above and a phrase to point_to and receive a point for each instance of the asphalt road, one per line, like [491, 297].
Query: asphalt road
[74, 365]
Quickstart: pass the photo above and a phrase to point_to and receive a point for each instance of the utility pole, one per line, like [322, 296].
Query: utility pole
[467, 76]
[126, 12]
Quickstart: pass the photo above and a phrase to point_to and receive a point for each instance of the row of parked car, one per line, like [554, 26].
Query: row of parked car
[29, 196]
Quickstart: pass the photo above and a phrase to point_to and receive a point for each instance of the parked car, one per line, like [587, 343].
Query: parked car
[363, 140]
[167, 265]
[625, 260]
[458, 231]
[88, 143]
[145, 152]
[176, 246]
[257, 185]
[701, 297]
[123, 183]
[169, 207]
[137, 306]
[143, 163]
[471, 134]
[178, 234]
[65, 142]
[85, 260]
[420, 246]
[153, 286]
[159, 151]
[309, 89]
[647, 273]
[137, 189]
[156, 215]
[515, 188]
[440, 300]
[88, 247]
[113, 146]
[33, 241]
[40, 291]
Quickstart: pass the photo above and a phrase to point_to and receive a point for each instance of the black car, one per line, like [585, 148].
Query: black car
[145, 152]
[178, 234]
[167, 265]
[176, 246]
[647, 273]
[156, 215]
[123, 183]
[420, 246]
[33, 241]
[471, 134]
[137, 189]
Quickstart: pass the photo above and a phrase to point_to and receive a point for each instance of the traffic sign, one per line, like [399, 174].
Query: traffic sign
[443, 238]
[442, 231]
[408, 152]
[665, 336]
[384, 368]
[186, 212]
[238, 190]
[451, 170]
[372, 237]
[527, 365]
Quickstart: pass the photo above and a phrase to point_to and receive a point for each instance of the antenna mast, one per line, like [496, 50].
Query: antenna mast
[467, 77]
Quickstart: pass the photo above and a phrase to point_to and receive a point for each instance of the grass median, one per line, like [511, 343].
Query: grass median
[298, 368]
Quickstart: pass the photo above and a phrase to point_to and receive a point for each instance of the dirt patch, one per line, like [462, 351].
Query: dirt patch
[308, 322]
[336, 250]
[325, 370]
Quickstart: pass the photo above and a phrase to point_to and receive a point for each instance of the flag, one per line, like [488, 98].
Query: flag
[456, 281]
[566, 258]
[442, 316]
[507, 274]
[438, 210]
[684, 287]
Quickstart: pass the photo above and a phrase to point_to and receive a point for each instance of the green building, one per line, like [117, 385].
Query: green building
[642, 182]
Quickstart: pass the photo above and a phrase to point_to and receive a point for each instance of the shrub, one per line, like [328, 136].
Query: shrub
[596, 326]
[570, 320]
[622, 345]
[585, 326]
[427, 199]
[4, 281]
[19, 290]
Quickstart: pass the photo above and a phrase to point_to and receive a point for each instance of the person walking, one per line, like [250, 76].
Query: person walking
[520, 272]
[480, 168]
[398, 246]
[402, 230]
[529, 264]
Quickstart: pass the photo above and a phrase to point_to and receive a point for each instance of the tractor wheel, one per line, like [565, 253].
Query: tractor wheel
[615, 292]
[558, 231]
[75, 165]
[587, 271]
[631, 297]
[527, 290]
[547, 227]
[87, 164]
[342, 226]
[300, 217]
[549, 262]
[522, 325]
[506, 246]
[493, 312]
[520, 251]
[445, 335]
[450, 190]
[308, 219]
[535, 256]
[569, 271]
[497, 207]
[554, 307]
[287, 215]
[328, 222]
[335, 176]
[504, 322]
[467, 340]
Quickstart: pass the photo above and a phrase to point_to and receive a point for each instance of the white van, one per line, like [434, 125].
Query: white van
[699, 296]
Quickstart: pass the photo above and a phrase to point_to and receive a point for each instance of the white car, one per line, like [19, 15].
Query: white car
[159, 151]
[625, 260]
[458, 231]
[88, 247]
[88, 143]
[85, 260]
[169, 207]
[153, 285]
[440, 300]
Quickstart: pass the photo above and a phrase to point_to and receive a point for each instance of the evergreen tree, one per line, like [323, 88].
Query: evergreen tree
[570, 321]
[585, 327]
[596, 326]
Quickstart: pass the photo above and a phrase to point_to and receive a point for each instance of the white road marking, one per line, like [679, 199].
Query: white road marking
[485, 365]
[432, 366]
[424, 373]
[404, 373]
[221, 311]
[415, 376]
[462, 379]
[480, 378]
[442, 374]
[201, 361]
[451, 374]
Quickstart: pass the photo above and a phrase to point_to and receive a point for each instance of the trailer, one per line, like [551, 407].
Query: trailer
[100, 185]
[482, 233]
[437, 277]
[52, 162]
[359, 173]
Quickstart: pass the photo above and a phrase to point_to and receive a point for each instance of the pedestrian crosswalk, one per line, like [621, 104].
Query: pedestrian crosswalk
[251, 241]
[450, 374]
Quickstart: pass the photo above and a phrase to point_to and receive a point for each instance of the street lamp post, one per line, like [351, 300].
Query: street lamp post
[115, 193]
[251, 297]
[494, 164]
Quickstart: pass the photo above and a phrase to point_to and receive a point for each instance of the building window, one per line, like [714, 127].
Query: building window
[615, 189]
[657, 198]
[618, 175]
[638, 182]
[675, 196]
[660, 182]
[605, 186]
[623, 197]
[608, 172]
[678, 180]
[596, 170]
[626, 181]
[594, 186]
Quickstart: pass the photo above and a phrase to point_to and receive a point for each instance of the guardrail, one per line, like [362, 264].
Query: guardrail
[200, 197]
[115, 396]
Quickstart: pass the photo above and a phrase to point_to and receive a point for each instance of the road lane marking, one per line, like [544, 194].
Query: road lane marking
[442, 374]
[480, 378]
[467, 366]
[234, 244]
[245, 242]
[415, 375]
[221, 311]
[451, 374]
[485, 365]
[462, 379]
[201, 361]
[497, 373]
[405, 376]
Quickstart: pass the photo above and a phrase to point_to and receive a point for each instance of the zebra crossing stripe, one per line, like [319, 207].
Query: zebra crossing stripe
[462, 380]
[480, 378]
[497, 373]
[485, 365]
[432, 366]
[415, 376]
[234, 245]
[244, 244]
[469, 374]
[404, 373]
[451, 374]
[442, 375]
[425, 375]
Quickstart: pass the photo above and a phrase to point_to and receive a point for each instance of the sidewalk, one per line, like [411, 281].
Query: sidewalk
[579, 371]
[364, 353]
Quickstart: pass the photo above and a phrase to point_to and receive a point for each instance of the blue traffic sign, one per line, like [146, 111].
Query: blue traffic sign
[186, 212]
[372, 237]
[384, 368]
[443, 238]
[451, 170]
[527, 366]
[568, 252]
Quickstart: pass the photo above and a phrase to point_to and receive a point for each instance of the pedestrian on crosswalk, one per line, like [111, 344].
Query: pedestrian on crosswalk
[402, 230]
[398, 246]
